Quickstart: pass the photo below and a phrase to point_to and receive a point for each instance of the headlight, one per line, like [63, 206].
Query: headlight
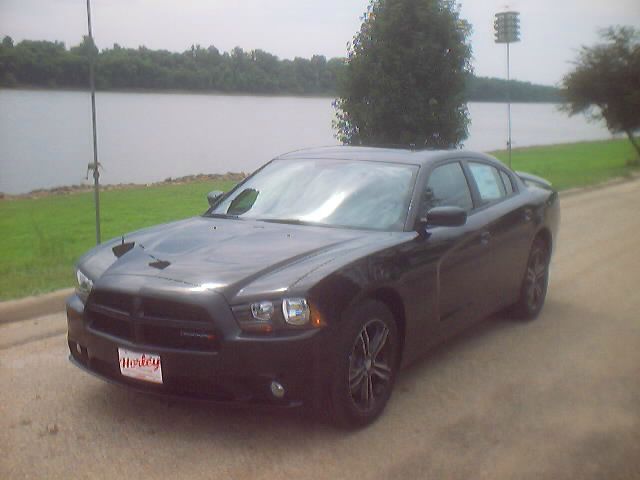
[262, 311]
[255, 318]
[263, 316]
[85, 284]
[295, 311]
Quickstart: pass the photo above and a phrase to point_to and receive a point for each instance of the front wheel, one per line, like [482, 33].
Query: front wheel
[367, 362]
[534, 285]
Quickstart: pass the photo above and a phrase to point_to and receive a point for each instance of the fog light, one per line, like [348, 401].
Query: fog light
[277, 390]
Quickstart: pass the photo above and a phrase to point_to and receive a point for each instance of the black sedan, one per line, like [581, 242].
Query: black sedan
[315, 279]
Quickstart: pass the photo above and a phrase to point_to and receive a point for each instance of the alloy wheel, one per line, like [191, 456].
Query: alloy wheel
[537, 278]
[370, 365]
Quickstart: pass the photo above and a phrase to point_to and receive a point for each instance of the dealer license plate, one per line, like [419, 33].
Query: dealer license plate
[141, 366]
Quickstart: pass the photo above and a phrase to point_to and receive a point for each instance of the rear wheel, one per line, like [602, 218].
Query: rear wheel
[534, 285]
[367, 362]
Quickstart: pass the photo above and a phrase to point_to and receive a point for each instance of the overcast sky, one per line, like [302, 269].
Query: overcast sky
[552, 30]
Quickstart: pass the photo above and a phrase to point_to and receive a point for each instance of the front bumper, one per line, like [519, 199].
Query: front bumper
[241, 368]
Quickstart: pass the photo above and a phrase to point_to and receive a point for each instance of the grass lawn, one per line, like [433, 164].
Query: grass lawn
[574, 164]
[42, 238]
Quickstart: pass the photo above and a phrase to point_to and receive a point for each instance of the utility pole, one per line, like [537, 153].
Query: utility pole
[507, 30]
[94, 166]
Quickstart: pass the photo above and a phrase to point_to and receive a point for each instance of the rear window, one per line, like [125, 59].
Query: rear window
[490, 185]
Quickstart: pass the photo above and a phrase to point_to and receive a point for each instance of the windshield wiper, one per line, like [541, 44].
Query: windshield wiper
[222, 215]
[288, 221]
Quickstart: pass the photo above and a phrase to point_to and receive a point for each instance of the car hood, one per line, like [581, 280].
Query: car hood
[219, 254]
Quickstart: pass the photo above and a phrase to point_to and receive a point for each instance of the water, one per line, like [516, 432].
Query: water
[46, 140]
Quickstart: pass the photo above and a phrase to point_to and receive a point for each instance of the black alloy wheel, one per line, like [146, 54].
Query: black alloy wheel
[370, 365]
[534, 285]
[367, 356]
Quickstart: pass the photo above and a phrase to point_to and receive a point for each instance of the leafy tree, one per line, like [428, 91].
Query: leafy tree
[605, 83]
[51, 64]
[86, 48]
[406, 75]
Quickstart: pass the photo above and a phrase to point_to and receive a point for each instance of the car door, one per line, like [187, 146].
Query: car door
[458, 254]
[506, 233]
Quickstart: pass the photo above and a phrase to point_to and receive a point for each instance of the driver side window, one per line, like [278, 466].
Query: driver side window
[447, 186]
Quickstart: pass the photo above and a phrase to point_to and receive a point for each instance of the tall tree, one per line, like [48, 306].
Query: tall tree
[605, 83]
[405, 77]
[52, 65]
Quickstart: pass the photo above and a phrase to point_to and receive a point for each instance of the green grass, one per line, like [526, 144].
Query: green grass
[42, 238]
[574, 164]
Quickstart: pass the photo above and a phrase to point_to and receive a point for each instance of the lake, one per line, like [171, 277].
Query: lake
[46, 139]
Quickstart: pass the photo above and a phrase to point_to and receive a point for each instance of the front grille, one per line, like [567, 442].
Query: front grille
[116, 327]
[169, 310]
[147, 321]
[113, 300]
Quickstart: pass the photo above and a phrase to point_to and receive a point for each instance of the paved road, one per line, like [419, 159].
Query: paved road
[558, 398]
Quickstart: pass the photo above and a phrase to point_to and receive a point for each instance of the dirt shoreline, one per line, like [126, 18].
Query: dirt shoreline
[71, 189]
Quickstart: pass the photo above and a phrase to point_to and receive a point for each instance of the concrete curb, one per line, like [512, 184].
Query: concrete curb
[599, 186]
[32, 307]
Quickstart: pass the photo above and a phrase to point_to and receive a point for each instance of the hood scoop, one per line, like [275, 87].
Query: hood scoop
[120, 250]
[160, 264]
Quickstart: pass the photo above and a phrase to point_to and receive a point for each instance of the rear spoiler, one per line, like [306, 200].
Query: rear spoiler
[530, 179]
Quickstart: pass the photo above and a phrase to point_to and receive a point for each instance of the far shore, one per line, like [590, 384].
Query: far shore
[225, 93]
[176, 91]
[88, 187]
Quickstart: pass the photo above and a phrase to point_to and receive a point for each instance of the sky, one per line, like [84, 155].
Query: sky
[552, 30]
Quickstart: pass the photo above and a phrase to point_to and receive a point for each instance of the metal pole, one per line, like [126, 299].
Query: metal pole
[94, 167]
[509, 102]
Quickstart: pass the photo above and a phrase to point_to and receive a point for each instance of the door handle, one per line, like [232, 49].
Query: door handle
[485, 237]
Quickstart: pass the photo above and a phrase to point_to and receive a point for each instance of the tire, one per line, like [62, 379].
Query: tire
[364, 369]
[535, 282]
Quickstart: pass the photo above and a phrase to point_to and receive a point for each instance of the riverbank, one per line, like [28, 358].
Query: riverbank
[43, 235]
[88, 187]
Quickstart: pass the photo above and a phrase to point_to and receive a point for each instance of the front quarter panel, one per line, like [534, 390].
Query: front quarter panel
[404, 280]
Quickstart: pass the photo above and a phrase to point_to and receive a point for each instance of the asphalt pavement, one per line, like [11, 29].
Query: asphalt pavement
[557, 398]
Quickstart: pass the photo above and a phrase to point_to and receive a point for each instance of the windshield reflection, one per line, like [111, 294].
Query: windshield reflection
[357, 194]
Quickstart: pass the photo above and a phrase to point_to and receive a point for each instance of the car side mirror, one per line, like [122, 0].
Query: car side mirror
[446, 217]
[214, 196]
[443, 217]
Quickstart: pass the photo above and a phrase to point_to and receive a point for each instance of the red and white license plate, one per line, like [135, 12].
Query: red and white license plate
[141, 366]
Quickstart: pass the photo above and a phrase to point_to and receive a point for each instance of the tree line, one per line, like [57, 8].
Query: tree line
[38, 63]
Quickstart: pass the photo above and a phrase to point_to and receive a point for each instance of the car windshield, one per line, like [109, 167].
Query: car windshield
[354, 194]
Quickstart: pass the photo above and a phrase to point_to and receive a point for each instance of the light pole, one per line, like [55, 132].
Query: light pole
[94, 166]
[507, 30]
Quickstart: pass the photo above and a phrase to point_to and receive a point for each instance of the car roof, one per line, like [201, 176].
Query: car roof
[383, 154]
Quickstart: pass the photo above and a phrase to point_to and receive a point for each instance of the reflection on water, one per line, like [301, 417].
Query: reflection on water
[45, 136]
